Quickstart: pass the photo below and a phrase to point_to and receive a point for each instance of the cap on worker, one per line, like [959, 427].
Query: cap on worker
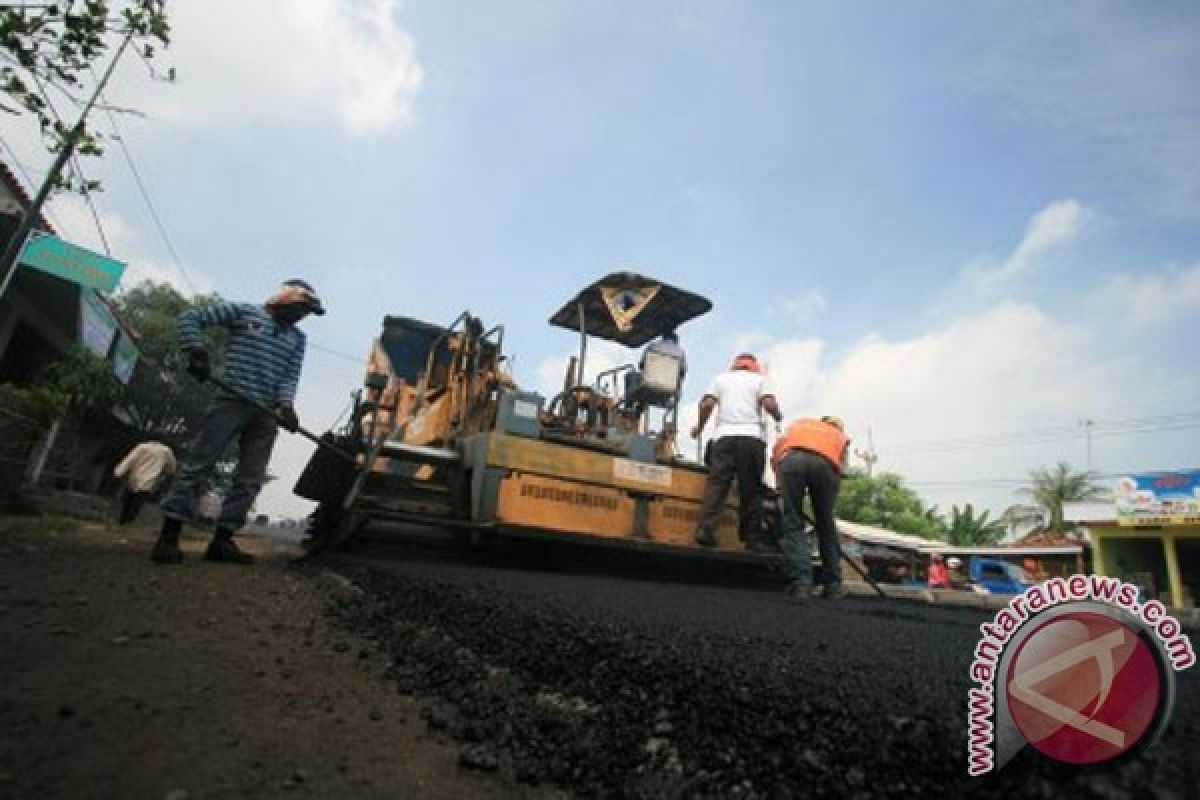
[834, 421]
[746, 361]
[299, 292]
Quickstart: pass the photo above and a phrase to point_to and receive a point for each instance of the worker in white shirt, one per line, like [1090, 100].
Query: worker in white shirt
[147, 467]
[739, 396]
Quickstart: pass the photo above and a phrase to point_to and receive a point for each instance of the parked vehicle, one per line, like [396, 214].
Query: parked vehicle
[996, 576]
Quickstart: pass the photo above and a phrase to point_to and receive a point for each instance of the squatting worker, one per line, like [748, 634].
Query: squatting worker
[145, 469]
[263, 360]
[809, 459]
[739, 396]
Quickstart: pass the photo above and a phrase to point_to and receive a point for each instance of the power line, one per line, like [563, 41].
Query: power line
[141, 185]
[1131, 425]
[75, 166]
[162, 230]
[336, 353]
[12, 156]
[1005, 483]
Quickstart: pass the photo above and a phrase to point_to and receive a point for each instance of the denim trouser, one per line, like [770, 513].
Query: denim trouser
[225, 420]
[803, 471]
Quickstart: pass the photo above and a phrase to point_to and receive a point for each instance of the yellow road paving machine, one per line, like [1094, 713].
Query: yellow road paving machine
[442, 435]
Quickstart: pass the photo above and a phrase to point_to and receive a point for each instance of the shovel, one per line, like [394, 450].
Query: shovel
[307, 434]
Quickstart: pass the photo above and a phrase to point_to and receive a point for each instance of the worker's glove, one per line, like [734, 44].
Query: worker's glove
[288, 419]
[198, 364]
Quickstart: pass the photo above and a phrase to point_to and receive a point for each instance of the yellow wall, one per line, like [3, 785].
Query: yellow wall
[1102, 555]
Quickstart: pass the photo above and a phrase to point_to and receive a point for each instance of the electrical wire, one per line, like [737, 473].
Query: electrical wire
[29, 189]
[145, 194]
[337, 353]
[1120, 427]
[75, 165]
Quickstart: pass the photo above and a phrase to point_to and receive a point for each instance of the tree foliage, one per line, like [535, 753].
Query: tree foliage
[56, 45]
[1050, 487]
[81, 383]
[885, 501]
[1020, 515]
[162, 399]
[966, 529]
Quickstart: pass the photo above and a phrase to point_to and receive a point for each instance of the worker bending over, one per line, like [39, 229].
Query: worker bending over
[740, 396]
[145, 470]
[809, 459]
[263, 360]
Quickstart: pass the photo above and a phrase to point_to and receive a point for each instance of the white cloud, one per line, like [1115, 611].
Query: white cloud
[1155, 298]
[937, 403]
[601, 356]
[1058, 224]
[287, 61]
[75, 222]
[804, 307]
[1012, 362]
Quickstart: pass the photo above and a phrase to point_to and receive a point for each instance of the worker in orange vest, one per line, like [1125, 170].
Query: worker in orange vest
[809, 458]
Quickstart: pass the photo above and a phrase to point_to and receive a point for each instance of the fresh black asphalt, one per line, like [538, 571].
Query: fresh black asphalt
[618, 676]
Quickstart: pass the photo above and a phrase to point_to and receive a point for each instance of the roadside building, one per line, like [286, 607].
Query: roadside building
[48, 306]
[38, 312]
[1149, 535]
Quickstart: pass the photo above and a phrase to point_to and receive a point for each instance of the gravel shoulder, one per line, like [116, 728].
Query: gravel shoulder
[121, 679]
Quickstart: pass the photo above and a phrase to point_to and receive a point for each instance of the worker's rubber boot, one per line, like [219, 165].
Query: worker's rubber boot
[760, 544]
[166, 549]
[798, 592]
[705, 538]
[834, 591]
[223, 550]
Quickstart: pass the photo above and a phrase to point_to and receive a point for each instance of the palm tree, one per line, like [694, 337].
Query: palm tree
[1051, 487]
[968, 530]
[1019, 516]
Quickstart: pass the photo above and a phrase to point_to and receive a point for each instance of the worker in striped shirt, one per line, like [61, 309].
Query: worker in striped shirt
[262, 362]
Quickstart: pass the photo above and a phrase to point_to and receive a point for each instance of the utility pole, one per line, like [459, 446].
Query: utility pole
[869, 456]
[1087, 424]
[12, 252]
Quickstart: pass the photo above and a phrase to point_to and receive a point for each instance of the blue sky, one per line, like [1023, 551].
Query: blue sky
[946, 223]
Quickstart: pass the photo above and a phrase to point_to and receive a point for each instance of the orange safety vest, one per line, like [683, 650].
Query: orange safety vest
[812, 434]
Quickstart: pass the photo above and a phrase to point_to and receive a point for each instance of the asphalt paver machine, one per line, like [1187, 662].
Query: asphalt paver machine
[442, 435]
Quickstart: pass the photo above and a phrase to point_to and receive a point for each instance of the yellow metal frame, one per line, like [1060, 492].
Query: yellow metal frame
[557, 487]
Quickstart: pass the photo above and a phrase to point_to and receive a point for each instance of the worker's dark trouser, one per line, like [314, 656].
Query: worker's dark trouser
[741, 457]
[131, 505]
[225, 420]
[800, 472]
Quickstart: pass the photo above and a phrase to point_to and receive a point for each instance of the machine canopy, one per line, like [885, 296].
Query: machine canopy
[631, 309]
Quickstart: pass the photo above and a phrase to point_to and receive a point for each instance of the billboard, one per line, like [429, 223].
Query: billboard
[97, 325]
[1159, 498]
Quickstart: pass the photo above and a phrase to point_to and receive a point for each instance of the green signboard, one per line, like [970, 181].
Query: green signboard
[72, 262]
